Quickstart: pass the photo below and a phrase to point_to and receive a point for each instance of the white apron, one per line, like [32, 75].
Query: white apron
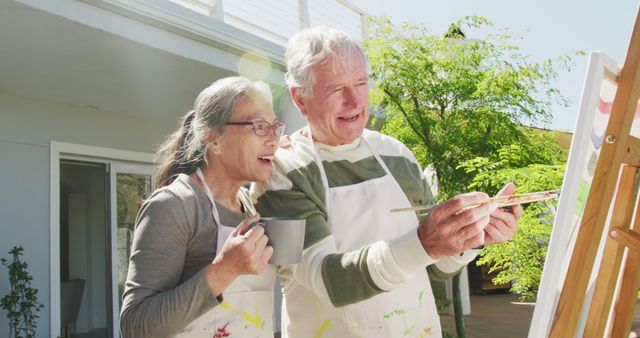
[358, 215]
[248, 302]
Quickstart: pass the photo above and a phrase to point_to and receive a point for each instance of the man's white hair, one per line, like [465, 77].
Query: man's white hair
[312, 46]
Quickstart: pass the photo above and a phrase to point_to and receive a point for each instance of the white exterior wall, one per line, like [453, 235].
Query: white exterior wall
[24, 210]
[26, 129]
[37, 123]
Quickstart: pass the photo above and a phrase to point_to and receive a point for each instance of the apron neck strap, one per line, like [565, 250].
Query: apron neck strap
[323, 174]
[376, 155]
[318, 159]
[207, 190]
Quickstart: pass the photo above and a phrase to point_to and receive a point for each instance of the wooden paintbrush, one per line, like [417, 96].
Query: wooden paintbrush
[501, 201]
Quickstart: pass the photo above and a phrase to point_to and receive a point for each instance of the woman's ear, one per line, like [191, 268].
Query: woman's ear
[212, 136]
[215, 147]
[212, 141]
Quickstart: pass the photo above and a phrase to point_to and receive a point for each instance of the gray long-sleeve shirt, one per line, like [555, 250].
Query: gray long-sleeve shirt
[174, 239]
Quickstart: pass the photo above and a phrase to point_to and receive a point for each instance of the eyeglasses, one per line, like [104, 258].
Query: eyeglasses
[263, 128]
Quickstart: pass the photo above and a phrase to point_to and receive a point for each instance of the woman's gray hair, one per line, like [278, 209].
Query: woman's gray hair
[312, 46]
[185, 150]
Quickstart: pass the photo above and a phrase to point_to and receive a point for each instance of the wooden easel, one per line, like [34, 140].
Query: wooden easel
[617, 166]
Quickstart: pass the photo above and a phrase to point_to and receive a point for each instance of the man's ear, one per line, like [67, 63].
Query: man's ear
[298, 99]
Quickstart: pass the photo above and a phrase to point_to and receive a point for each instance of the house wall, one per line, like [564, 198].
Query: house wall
[36, 122]
[26, 129]
[24, 206]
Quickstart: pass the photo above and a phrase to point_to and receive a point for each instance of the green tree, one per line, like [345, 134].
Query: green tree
[452, 99]
[520, 260]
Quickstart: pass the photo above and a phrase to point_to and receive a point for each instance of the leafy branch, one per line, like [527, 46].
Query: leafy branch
[21, 303]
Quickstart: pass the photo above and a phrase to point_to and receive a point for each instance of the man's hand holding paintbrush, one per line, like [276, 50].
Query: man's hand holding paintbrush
[503, 224]
[468, 221]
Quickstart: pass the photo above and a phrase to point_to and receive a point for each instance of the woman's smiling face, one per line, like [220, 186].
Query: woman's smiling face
[243, 155]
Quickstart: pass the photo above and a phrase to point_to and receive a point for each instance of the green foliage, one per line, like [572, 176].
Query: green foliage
[452, 99]
[21, 303]
[520, 260]
[535, 166]
[132, 190]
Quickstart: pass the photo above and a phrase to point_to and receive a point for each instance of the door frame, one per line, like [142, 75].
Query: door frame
[114, 169]
[64, 150]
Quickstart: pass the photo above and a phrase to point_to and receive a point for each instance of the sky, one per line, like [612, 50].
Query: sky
[548, 28]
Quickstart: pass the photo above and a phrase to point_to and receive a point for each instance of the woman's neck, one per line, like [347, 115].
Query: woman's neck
[224, 188]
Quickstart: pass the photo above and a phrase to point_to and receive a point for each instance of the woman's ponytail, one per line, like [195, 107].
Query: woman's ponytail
[172, 157]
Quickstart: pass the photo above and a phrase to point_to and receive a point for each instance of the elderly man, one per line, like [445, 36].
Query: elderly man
[362, 272]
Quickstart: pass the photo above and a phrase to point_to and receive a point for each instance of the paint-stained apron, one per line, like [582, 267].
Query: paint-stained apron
[248, 302]
[358, 215]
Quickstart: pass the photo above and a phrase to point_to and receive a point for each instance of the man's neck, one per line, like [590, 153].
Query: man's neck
[306, 131]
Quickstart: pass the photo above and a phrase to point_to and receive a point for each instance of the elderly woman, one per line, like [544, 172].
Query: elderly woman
[193, 243]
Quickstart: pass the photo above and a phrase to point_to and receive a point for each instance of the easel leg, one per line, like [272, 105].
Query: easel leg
[607, 278]
[626, 301]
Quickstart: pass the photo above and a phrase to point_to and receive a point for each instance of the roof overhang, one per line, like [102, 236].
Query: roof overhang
[139, 58]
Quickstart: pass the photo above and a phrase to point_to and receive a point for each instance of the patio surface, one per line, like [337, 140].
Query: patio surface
[502, 315]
